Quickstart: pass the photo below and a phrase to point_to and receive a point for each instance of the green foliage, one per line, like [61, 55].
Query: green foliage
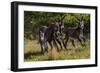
[33, 20]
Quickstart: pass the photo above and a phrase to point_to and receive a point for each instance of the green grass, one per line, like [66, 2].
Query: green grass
[32, 52]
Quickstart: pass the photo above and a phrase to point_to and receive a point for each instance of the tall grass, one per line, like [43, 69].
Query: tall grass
[32, 52]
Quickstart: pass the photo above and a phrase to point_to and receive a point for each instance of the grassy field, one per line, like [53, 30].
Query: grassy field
[32, 52]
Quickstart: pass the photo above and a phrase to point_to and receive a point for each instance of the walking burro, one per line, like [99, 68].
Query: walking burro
[76, 32]
[67, 35]
[50, 34]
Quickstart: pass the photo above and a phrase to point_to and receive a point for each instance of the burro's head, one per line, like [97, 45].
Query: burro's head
[81, 23]
[60, 22]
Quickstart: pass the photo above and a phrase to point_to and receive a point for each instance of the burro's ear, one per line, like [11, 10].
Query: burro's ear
[63, 17]
[77, 18]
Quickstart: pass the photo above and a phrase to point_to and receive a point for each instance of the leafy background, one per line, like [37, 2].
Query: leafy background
[33, 20]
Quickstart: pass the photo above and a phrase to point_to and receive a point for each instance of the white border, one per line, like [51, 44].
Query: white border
[22, 64]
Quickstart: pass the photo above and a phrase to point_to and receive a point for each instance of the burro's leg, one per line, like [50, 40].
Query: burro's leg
[62, 40]
[72, 40]
[46, 47]
[84, 39]
[80, 40]
[66, 41]
[42, 48]
[59, 42]
[55, 44]
[50, 43]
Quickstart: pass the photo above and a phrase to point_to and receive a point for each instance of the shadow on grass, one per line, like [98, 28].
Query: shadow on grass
[29, 54]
